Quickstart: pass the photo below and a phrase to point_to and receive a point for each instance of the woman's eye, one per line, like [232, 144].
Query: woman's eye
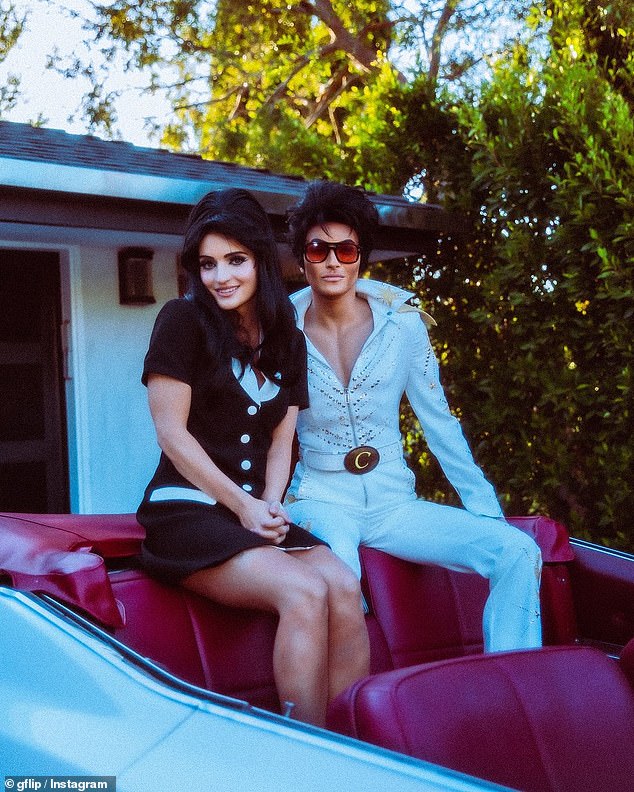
[237, 260]
[206, 264]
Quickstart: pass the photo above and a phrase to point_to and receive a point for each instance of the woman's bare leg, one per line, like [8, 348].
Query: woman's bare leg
[269, 579]
[348, 642]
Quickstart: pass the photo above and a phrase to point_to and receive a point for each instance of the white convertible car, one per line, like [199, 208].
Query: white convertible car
[106, 673]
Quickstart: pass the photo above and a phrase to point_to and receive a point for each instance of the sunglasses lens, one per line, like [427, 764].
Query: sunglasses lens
[347, 252]
[316, 251]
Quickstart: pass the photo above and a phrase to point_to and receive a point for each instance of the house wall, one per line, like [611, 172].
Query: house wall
[112, 449]
[120, 450]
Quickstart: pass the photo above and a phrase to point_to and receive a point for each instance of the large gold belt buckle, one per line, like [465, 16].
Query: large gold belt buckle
[361, 459]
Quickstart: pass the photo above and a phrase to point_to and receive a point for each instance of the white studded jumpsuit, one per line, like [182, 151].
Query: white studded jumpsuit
[380, 508]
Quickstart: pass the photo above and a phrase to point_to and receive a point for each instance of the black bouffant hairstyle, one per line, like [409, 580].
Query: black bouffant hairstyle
[331, 202]
[237, 215]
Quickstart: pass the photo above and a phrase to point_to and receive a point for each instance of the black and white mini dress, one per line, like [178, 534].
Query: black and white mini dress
[233, 420]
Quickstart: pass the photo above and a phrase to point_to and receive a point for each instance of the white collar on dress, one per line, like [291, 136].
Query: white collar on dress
[249, 383]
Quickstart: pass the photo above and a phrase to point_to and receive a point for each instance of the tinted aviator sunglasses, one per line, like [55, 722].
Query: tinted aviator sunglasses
[317, 250]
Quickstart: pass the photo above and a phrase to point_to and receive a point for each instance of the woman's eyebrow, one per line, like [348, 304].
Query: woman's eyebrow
[225, 255]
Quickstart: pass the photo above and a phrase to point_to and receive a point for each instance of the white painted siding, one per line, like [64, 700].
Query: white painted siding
[123, 451]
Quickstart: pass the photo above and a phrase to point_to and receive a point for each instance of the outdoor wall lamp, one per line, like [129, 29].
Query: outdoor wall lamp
[135, 276]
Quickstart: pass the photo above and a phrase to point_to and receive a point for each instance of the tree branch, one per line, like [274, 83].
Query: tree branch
[336, 86]
[438, 36]
[362, 55]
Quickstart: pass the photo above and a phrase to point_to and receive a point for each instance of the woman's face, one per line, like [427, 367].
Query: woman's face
[228, 271]
[331, 278]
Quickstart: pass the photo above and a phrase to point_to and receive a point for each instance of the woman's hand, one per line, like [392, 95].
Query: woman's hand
[277, 510]
[268, 520]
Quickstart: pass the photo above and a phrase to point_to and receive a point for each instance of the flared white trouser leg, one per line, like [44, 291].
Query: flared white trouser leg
[430, 533]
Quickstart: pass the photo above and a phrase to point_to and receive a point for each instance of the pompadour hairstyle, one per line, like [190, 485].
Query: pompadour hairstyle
[332, 202]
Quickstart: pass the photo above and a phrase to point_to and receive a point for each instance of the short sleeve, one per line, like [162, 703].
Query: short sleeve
[175, 343]
[298, 396]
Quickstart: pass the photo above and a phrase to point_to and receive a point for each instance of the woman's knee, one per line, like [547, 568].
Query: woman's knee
[304, 596]
[344, 594]
[345, 602]
[347, 587]
[342, 556]
[341, 578]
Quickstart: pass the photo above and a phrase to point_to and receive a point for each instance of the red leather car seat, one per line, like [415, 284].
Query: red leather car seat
[545, 720]
[418, 613]
[227, 650]
[427, 613]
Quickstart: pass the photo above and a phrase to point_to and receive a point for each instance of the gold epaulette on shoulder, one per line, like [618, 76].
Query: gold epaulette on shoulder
[429, 320]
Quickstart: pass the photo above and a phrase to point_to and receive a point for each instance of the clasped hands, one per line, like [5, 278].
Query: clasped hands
[268, 519]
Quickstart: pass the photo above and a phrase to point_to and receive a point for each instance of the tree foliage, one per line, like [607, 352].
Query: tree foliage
[11, 27]
[535, 305]
[246, 78]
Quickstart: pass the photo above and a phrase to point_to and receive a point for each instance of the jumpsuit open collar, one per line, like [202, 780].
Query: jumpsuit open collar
[385, 300]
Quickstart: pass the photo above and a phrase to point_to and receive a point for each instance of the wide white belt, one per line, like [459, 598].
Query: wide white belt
[332, 462]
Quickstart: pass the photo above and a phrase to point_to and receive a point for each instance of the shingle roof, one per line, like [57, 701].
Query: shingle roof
[39, 144]
[55, 179]
[91, 166]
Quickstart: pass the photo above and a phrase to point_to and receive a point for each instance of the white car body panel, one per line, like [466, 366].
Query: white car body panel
[72, 705]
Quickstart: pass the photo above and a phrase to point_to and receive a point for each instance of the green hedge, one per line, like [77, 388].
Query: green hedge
[535, 306]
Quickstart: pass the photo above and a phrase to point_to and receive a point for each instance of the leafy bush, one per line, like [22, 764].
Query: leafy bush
[535, 303]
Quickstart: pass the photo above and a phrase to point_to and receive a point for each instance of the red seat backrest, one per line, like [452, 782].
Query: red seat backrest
[227, 650]
[545, 720]
[63, 555]
[427, 613]
[418, 613]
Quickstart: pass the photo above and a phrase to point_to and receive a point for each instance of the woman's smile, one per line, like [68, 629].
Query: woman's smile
[228, 271]
[226, 291]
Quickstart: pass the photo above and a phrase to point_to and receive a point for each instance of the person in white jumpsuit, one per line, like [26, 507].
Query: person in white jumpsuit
[366, 348]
